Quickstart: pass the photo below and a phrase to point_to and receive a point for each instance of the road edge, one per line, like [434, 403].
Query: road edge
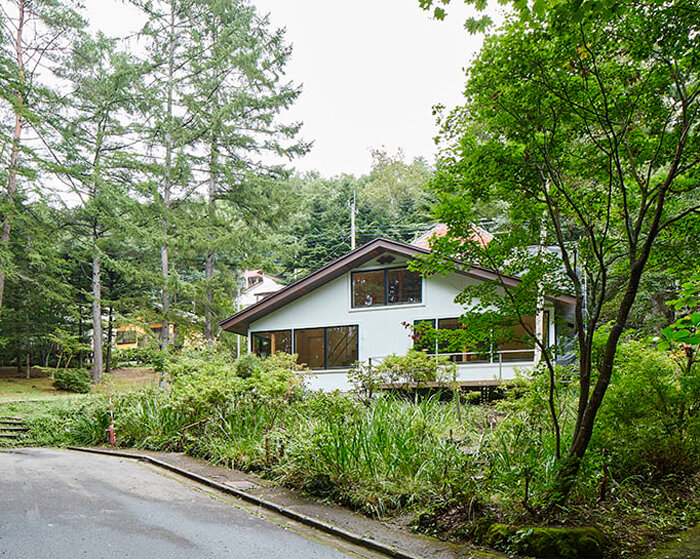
[310, 521]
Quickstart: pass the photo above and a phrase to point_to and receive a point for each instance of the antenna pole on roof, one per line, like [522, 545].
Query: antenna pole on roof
[352, 222]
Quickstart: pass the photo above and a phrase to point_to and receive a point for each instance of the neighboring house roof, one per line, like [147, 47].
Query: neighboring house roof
[240, 321]
[250, 275]
[440, 230]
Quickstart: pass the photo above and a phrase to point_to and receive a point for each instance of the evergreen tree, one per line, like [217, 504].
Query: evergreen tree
[31, 32]
[96, 152]
[164, 132]
[237, 92]
[39, 297]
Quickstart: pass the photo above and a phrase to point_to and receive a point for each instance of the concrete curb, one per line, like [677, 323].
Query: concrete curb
[299, 517]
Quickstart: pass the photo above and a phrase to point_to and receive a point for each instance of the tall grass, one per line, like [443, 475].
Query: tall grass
[388, 456]
[382, 456]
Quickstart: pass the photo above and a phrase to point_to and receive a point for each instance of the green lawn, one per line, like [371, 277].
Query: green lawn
[14, 389]
[122, 380]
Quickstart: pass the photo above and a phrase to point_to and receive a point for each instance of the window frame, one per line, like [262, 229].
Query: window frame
[258, 332]
[325, 343]
[452, 355]
[357, 345]
[496, 348]
[386, 288]
[325, 329]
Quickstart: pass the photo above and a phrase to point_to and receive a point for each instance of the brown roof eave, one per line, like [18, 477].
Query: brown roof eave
[240, 321]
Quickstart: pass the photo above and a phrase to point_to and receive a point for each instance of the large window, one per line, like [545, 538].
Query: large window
[515, 342]
[519, 344]
[341, 343]
[326, 348]
[268, 343]
[310, 346]
[447, 340]
[319, 348]
[386, 287]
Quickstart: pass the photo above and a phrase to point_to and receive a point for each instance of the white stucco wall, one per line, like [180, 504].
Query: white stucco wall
[251, 295]
[380, 328]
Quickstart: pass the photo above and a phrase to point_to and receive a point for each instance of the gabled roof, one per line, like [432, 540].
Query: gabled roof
[240, 321]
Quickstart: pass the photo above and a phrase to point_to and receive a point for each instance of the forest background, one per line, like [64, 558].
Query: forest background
[140, 181]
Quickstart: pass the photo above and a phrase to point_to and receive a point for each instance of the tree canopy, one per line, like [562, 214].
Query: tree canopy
[581, 120]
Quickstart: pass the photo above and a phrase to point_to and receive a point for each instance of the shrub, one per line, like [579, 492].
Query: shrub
[279, 376]
[73, 380]
[365, 379]
[247, 365]
[416, 367]
[649, 422]
[205, 383]
[136, 356]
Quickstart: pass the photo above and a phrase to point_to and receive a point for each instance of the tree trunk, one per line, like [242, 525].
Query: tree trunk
[210, 258]
[167, 186]
[208, 311]
[80, 336]
[569, 468]
[96, 318]
[108, 359]
[165, 328]
[16, 139]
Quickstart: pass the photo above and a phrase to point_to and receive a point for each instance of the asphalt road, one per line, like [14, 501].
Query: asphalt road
[58, 504]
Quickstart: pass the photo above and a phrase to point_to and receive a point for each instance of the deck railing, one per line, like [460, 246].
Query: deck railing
[480, 357]
[504, 355]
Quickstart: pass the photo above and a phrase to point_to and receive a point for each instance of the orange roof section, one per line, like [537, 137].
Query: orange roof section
[482, 236]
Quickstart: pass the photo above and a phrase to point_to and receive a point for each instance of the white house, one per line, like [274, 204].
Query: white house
[363, 305]
[256, 286]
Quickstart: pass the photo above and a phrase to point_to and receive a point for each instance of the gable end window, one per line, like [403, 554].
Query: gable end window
[392, 286]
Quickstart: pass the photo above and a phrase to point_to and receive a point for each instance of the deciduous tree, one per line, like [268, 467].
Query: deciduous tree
[582, 118]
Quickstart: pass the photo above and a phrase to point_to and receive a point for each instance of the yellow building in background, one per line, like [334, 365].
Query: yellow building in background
[132, 336]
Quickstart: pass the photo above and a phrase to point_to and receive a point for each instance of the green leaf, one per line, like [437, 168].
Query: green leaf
[539, 8]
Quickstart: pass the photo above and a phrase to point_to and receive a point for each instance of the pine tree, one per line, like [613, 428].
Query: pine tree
[238, 91]
[96, 150]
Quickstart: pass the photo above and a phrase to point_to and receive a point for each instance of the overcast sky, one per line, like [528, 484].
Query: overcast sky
[371, 71]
